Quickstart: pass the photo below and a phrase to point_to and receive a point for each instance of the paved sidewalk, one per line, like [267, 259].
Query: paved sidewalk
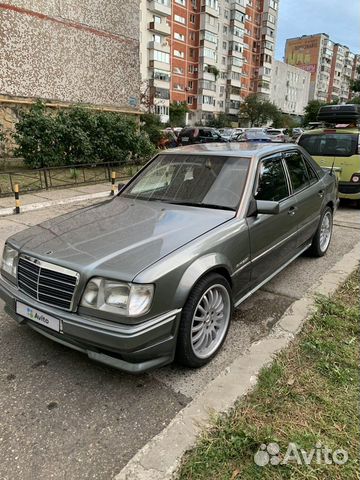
[44, 198]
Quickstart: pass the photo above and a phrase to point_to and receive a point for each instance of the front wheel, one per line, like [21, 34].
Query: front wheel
[322, 237]
[205, 321]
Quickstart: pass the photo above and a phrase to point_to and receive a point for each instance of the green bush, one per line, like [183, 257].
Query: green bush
[78, 135]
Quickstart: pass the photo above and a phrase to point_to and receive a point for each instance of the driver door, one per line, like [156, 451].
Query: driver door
[272, 237]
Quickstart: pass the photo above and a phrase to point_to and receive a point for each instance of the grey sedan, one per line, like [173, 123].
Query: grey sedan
[154, 274]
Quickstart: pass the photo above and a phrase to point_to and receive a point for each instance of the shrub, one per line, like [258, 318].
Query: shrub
[78, 135]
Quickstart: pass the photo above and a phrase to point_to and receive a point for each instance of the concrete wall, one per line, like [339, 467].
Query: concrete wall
[289, 88]
[71, 51]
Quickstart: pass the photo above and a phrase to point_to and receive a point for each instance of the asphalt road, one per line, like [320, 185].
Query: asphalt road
[65, 417]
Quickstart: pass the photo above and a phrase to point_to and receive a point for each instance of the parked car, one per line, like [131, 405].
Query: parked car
[154, 273]
[296, 132]
[193, 135]
[253, 136]
[278, 135]
[338, 147]
[226, 133]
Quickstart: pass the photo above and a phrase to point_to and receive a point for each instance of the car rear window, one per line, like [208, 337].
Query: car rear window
[331, 144]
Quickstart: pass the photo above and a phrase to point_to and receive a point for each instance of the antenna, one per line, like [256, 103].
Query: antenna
[332, 167]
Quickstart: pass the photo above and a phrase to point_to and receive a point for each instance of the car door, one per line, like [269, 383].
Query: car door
[272, 237]
[309, 193]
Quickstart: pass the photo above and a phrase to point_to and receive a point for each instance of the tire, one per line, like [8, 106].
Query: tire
[320, 245]
[211, 325]
[357, 203]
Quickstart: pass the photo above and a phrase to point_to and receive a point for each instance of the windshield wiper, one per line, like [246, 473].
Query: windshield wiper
[203, 205]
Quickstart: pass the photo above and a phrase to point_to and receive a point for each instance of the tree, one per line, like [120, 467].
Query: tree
[354, 100]
[151, 124]
[220, 121]
[258, 111]
[177, 113]
[355, 84]
[78, 135]
[311, 111]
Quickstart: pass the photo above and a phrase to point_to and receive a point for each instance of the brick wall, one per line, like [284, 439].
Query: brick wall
[71, 51]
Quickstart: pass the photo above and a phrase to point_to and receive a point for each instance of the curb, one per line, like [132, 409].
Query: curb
[161, 457]
[38, 205]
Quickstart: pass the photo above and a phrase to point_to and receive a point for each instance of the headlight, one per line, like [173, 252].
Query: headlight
[118, 297]
[8, 263]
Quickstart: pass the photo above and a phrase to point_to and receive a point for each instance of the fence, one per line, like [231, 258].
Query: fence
[64, 177]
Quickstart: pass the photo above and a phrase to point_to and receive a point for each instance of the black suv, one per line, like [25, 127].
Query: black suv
[192, 135]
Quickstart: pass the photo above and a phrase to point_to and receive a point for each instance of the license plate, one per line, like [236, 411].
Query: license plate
[37, 316]
[185, 139]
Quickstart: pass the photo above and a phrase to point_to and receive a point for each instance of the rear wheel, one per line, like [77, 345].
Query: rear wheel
[205, 321]
[322, 237]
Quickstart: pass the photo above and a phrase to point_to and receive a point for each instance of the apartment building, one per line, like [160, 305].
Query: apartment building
[70, 52]
[214, 53]
[331, 65]
[290, 88]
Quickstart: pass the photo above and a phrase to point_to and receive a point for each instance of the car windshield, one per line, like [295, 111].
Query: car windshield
[194, 180]
[273, 133]
[334, 144]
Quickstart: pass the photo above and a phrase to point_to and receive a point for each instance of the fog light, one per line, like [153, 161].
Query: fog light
[355, 178]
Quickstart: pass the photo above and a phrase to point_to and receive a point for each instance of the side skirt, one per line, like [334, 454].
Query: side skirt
[272, 275]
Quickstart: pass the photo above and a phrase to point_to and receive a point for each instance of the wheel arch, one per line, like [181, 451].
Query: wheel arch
[211, 263]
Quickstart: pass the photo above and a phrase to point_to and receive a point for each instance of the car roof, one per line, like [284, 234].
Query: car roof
[245, 149]
[319, 131]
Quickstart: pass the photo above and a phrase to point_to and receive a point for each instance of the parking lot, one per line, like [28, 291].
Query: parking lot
[65, 417]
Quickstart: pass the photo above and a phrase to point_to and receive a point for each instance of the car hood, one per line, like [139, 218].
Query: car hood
[120, 237]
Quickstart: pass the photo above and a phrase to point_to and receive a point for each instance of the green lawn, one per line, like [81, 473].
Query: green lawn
[308, 395]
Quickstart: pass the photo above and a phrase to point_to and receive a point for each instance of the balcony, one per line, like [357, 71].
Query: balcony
[232, 82]
[207, 107]
[159, 65]
[204, 25]
[210, 11]
[238, 5]
[160, 27]
[162, 8]
[162, 47]
[155, 82]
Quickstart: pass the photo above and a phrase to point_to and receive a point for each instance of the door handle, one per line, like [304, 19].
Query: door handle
[292, 211]
[321, 193]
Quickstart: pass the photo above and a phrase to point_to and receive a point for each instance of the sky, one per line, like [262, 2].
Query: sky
[340, 19]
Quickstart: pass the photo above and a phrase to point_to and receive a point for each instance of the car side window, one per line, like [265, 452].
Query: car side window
[271, 183]
[297, 171]
[311, 172]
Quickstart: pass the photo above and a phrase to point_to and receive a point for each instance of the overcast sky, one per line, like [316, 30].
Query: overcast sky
[340, 19]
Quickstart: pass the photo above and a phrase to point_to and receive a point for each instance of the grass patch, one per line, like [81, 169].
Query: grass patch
[309, 394]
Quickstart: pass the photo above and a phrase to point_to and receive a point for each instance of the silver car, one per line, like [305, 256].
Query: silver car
[154, 273]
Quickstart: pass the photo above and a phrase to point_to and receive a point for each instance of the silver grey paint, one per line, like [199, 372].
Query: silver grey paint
[172, 247]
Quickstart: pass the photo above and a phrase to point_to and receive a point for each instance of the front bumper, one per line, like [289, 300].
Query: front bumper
[132, 348]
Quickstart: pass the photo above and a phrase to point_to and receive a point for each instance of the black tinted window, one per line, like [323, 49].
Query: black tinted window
[272, 181]
[297, 170]
[311, 172]
[334, 144]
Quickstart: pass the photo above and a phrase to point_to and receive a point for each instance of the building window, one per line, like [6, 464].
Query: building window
[161, 56]
[210, 37]
[190, 84]
[191, 69]
[157, 38]
[225, 29]
[179, 36]
[178, 71]
[179, 54]
[180, 2]
[157, 19]
[161, 75]
[192, 52]
[192, 18]
[179, 19]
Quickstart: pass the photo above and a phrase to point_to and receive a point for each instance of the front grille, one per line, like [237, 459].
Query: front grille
[349, 188]
[46, 282]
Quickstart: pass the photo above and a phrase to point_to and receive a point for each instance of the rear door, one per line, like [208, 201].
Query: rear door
[272, 237]
[309, 193]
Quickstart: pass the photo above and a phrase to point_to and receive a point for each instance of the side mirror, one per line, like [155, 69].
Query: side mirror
[267, 207]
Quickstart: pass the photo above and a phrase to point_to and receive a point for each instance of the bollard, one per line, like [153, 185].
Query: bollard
[113, 176]
[17, 200]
